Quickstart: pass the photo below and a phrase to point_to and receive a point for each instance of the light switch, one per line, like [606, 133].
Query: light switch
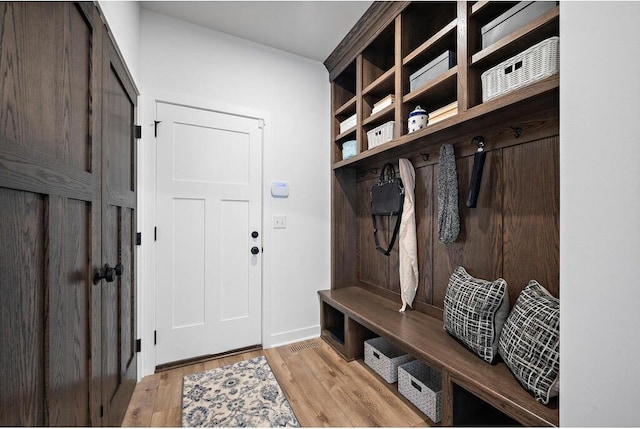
[279, 222]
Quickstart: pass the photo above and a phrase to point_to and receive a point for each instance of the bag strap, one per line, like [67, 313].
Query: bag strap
[389, 176]
[396, 228]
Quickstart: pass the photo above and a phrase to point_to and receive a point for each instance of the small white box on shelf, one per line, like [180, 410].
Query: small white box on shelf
[380, 105]
[348, 123]
[536, 63]
[380, 135]
[384, 358]
[422, 386]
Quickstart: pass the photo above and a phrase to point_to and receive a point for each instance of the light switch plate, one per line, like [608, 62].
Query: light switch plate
[279, 222]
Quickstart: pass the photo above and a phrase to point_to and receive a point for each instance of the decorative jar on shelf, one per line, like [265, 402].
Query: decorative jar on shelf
[418, 119]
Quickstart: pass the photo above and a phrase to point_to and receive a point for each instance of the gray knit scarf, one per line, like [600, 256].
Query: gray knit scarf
[448, 219]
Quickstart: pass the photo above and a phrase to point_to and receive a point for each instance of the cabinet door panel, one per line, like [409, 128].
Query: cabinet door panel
[50, 177]
[118, 328]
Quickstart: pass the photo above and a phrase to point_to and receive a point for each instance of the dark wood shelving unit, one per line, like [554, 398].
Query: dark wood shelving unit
[513, 233]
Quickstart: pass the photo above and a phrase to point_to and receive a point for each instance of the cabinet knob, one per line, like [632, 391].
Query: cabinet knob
[105, 273]
[255, 250]
[255, 234]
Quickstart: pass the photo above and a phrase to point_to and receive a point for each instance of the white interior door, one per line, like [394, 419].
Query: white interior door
[209, 292]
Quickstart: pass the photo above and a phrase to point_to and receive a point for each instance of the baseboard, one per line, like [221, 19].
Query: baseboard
[284, 338]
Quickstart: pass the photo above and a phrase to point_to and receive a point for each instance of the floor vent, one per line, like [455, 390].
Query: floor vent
[304, 346]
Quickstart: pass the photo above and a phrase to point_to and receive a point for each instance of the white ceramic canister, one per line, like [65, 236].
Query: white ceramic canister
[418, 119]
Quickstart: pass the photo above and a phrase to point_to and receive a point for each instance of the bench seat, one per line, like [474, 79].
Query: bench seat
[423, 337]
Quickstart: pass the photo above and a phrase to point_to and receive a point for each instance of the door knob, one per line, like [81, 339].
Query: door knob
[107, 273]
[255, 250]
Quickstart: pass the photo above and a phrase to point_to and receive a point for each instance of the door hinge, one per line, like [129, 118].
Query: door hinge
[261, 123]
[138, 345]
[155, 337]
[138, 131]
[101, 411]
[155, 233]
[155, 128]
[138, 238]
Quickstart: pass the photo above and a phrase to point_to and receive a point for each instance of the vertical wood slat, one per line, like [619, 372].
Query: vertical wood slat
[360, 134]
[425, 209]
[344, 229]
[531, 215]
[68, 324]
[398, 79]
[479, 245]
[22, 322]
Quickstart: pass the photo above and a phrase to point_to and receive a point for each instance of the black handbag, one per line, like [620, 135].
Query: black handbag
[387, 199]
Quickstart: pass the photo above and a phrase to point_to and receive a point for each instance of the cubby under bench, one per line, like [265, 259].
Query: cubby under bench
[474, 392]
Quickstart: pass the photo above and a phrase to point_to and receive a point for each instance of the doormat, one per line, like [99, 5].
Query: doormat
[244, 394]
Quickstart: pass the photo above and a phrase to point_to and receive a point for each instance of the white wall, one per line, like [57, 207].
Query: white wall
[187, 63]
[600, 214]
[123, 19]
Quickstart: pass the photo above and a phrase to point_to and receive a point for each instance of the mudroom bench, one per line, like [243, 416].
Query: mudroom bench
[473, 392]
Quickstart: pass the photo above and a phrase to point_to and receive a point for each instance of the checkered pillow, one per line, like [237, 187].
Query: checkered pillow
[474, 312]
[530, 341]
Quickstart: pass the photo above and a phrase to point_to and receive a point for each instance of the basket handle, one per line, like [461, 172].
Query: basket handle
[376, 355]
[416, 386]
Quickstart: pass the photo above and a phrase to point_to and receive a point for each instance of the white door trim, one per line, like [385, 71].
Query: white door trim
[147, 214]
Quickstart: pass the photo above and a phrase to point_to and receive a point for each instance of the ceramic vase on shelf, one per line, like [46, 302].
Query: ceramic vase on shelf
[418, 119]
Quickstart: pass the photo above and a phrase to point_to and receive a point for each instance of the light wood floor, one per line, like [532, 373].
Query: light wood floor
[323, 389]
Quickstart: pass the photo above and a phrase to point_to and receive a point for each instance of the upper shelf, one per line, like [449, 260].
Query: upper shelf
[514, 103]
[538, 30]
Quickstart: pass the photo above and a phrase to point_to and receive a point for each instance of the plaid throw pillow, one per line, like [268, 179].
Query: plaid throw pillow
[530, 341]
[474, 312]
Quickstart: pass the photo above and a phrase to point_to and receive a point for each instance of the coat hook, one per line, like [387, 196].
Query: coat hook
[517, 131]
[425, 156]
[479, 141]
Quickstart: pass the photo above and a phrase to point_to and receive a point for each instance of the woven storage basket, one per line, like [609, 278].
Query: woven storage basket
[536, 63]
[384, 358]
[380, 135]
[423, 387]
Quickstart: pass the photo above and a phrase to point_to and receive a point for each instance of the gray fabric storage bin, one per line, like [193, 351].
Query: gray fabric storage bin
[516, 17]
[432, 70]
[384, 358]
[422, 386]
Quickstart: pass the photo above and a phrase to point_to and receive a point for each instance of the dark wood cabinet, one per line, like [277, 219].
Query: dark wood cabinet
[513, 232]
[64, 129]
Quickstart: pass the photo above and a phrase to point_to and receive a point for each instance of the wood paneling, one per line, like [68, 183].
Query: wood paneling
[479, 244]
[517, 213]
[373, 266]
[69, 312]
[22, 320]
[45, 94]
[424, 209]
[118, 202]
[51, 123]
[531, 215]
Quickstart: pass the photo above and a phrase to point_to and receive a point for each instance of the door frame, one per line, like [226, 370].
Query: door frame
[147, 188]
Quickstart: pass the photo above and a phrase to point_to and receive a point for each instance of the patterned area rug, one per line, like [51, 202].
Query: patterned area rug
[245, 394]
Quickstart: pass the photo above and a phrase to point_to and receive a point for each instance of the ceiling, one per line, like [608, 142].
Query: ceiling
[311, 29]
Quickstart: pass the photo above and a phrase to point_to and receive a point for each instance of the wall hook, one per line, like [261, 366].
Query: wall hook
[425, 156]
[517, 131]
[479, 141]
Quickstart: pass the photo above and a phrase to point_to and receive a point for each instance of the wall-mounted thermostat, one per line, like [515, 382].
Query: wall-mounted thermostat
[279, 189]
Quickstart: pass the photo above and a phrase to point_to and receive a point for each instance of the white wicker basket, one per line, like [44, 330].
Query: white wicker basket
[423, 387]
[384, 358]
[536, 63]
[380, 135]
